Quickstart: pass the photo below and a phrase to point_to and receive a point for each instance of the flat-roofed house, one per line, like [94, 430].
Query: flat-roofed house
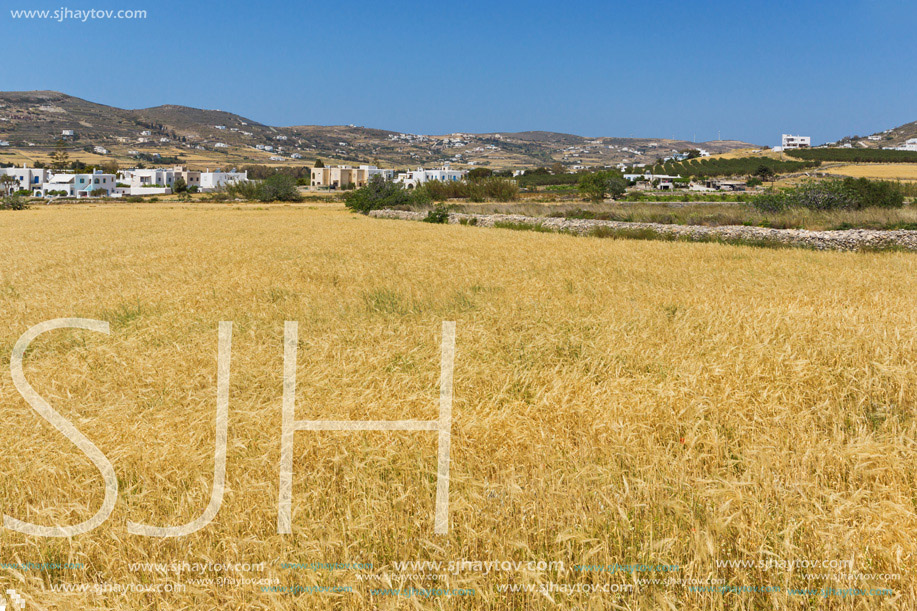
[339, 176]
[795, 142]
[29, 179]
[420, 176]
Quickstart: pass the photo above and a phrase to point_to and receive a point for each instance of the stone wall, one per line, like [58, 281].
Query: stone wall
[847, 239]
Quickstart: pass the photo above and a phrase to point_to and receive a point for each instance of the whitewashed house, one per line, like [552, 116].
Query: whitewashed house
[80, 185]
[29, 179]
[214, 180]
[420, 176]
[788, 141]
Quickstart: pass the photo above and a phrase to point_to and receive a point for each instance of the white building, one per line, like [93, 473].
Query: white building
[795, 142]
[101, 150]
[339, 176]
[30, 179]
[910, 145]
[80, 185]
[420, 176]
[148, 181]
[214, 180]
[4, 142]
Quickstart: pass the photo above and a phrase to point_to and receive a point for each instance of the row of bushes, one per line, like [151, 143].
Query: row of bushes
[845, 194]
[857, 155]
[280, 187]
[492, 188]
[704, 167]
[380, 193]
[541, 178]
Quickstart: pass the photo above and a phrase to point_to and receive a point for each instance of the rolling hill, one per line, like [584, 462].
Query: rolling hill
[888, 138]
[33, 121]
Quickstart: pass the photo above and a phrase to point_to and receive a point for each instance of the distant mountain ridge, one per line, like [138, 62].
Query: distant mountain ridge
[33, 121]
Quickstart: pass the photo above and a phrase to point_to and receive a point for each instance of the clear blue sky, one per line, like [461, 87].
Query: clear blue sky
[747, 70]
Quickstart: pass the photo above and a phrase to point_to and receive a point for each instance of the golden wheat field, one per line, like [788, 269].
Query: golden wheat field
[635, 424]
[885, 171]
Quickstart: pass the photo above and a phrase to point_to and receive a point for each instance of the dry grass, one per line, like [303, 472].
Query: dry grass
[711, 214]
[615, 402]
[885, 171]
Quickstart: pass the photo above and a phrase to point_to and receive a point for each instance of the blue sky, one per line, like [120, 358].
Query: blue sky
[745, 70]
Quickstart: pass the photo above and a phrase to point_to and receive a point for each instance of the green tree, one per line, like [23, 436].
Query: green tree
[764, 172]
[59, 157]
[596, 186]
[278, 188]
[111, 167]
[378, 194]
[180, 185]
[479, 173]
[8, 184]
[319, 163]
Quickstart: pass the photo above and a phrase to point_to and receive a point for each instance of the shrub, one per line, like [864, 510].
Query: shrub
[875, 193]
[248, 190]
[846, 194]
[13, 202]
[500, 189]
[277, 188]
[377, 194]
[439, 214]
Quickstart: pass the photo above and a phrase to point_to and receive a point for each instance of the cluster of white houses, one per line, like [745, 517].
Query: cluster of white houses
[47, 183]
[343, 175]
[42, 182]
